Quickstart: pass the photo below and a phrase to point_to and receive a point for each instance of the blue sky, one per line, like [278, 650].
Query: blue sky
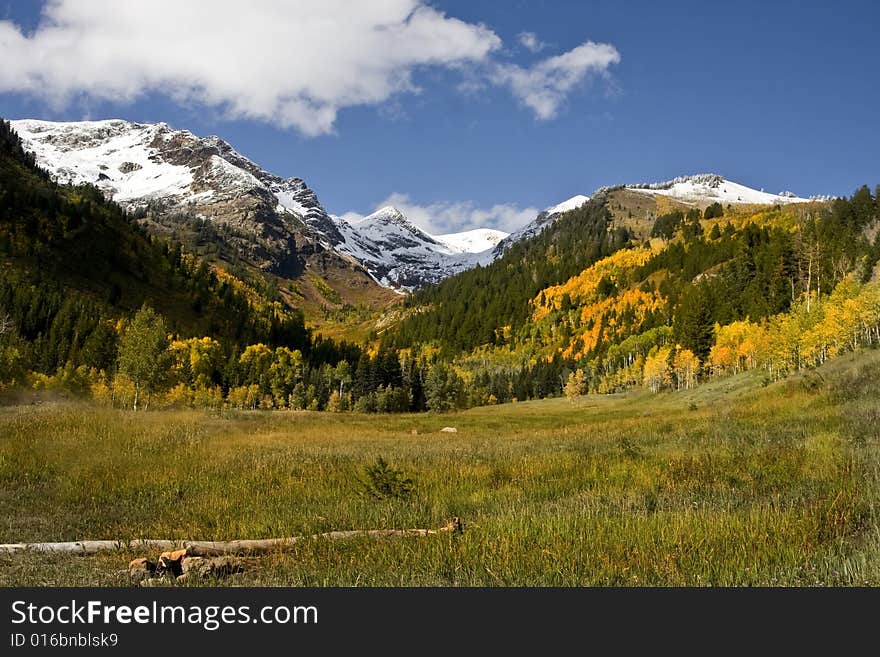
[463, 112]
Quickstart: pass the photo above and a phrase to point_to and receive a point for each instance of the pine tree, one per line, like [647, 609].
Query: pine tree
[713, 211]
[694, 326]
[443, 388]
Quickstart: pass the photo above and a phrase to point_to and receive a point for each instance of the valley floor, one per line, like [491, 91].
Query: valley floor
[733, 483]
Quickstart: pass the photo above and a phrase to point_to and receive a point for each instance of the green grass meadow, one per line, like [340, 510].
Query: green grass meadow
[734, 483]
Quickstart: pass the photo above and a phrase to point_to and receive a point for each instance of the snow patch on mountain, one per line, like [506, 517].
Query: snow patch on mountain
[570, 204]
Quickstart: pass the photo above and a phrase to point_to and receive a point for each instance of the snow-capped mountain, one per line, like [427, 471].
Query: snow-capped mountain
[169, 177]
[172, 179]
[711, 188]
[401, 255]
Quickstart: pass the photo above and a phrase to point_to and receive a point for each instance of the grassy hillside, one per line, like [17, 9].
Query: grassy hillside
[729, 484]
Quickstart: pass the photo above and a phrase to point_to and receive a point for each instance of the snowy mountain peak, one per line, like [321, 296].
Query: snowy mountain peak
[386, 215]
[547, 218]
[570, 204]
[711, 188]
[710, 180]
[472, 241]
[402, 255]
[390, 223]
[174, 176]
[115, 155]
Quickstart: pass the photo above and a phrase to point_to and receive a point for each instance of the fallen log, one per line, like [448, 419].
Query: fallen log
[218, 548]
[89, 547]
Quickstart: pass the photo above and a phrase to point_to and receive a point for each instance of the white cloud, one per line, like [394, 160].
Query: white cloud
[455, 216]
[531, 42]
[291, 63]
[544, 86]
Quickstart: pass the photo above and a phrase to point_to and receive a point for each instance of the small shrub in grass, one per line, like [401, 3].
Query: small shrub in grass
[812, 381]
[629, 448]
[383, 482]
[499, 476]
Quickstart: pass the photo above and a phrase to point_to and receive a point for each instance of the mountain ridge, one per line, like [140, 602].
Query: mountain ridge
[276, 223]
[173, 179]
[711, 187]
[593, 300]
